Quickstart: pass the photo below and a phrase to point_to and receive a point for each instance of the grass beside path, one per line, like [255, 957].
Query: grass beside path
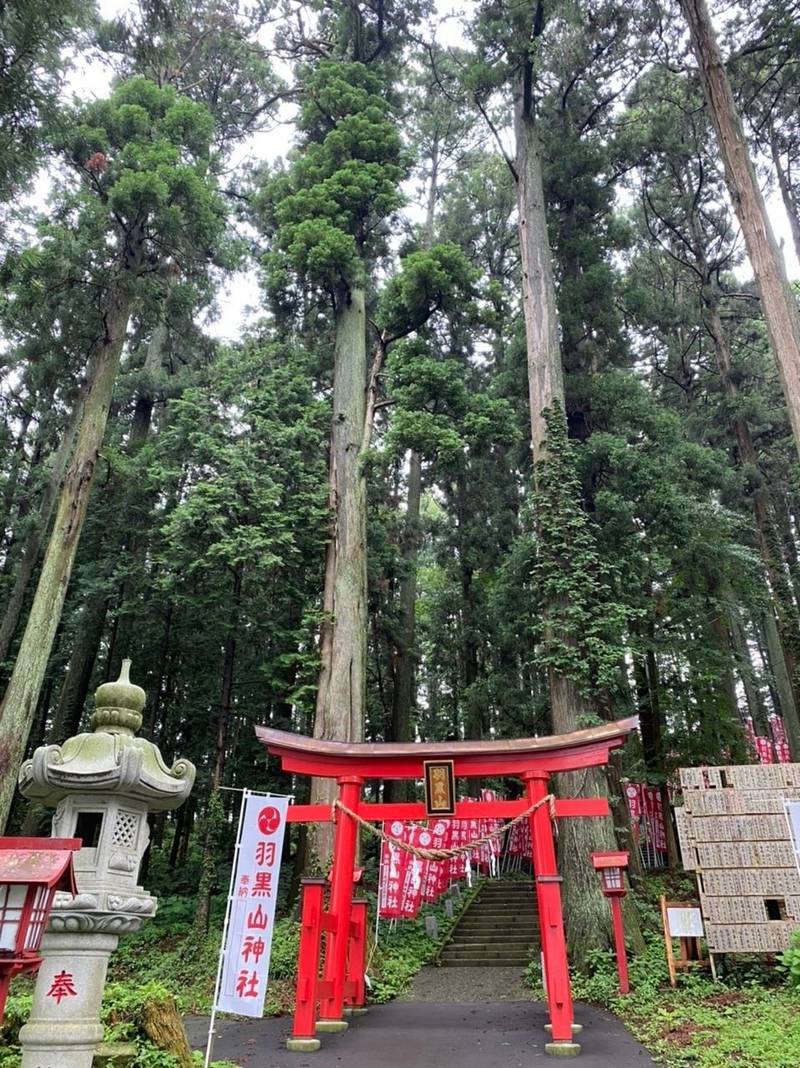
[749, 1019]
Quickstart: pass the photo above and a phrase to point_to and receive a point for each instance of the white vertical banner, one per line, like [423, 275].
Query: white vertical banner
[247, 939]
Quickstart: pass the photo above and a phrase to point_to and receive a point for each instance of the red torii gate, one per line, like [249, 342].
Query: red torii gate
[533, 760]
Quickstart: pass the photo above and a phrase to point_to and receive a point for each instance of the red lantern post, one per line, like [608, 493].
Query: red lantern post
[612, 873]
[31, 870]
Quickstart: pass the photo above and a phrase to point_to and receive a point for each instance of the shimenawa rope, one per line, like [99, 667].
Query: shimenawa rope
[453, 851]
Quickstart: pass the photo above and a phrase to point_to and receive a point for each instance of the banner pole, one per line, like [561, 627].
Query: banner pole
[378, 899]
[213, 1019]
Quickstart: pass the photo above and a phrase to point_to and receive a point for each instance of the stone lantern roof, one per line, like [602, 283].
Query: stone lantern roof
[111, 760]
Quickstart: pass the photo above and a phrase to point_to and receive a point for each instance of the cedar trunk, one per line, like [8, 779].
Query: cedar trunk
[341, 694]
[780, 310]
[404, 692]
[33, 542]
[21, 696]
[766, 534]
[585, 909]
[787, 192]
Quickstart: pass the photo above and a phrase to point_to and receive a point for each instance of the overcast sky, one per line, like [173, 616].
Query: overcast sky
[241, 296]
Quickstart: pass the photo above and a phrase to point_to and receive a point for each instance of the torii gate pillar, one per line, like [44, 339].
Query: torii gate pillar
[331, 1018]
[551, 921]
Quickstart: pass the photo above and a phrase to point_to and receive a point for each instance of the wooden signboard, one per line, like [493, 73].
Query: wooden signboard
[684, 920]
[440, 788]
[739, 831]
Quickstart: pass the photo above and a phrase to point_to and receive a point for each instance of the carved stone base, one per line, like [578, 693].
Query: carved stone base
[64, 1028]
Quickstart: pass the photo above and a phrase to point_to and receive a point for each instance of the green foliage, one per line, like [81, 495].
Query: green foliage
[790, 961]
[144, 154]
[33, 45]
[743, 1018]
[18, 1007]
[208, 49]
[428, 280]
[328, 209]
[583, 623]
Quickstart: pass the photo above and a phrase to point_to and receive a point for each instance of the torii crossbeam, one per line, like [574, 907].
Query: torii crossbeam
[531, 759]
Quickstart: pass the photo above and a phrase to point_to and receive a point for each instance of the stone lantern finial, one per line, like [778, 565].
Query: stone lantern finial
[118, 705]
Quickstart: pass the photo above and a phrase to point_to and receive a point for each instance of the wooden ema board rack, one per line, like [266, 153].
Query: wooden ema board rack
[733, 832]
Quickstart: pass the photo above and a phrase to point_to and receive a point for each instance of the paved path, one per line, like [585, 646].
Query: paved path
[406, 1034]
[466, 985]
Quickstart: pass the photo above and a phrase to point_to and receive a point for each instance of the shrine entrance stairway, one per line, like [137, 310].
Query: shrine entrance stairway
[499, 929]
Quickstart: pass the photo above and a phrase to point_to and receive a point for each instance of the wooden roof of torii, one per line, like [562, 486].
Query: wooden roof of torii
[404, 760]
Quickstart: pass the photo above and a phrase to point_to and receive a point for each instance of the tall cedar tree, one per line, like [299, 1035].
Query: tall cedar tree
[145, 191]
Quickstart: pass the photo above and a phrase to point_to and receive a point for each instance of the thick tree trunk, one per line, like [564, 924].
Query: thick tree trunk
[12, 478]
[471, 702]
[404, 691]
[545, 374]
[226, 693]
[22, 693]
[787, 192]
[585, 909]
[222, 726]
[33, 542]
[780, 309]
[767, 538]
[127, 498]
[404, 694]
[755, 705]
[730, 723]
[341, 694]
[75, 687]
[783, 682]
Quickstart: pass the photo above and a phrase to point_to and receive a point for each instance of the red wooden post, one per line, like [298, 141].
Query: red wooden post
[341, 899]
[551, 920]
[308, 968]
[305, 1011]
[619, 944]
[357, 955]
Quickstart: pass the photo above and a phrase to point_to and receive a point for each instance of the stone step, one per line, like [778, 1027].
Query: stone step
[482, 962]
[503, 915]
[501, 919]
[490, 925]
[503, 906]
[527, 900]
[480, 938]
[499, 929]
[484, 951]
[507, 888]
[490, 944]
[523, 909]
[525, 905]
[504, 895]
[510, 946]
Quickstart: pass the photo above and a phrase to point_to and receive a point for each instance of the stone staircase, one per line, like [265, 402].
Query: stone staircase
[497, 930]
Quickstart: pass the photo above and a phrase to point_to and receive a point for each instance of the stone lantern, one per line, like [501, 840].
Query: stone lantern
[102, 786]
